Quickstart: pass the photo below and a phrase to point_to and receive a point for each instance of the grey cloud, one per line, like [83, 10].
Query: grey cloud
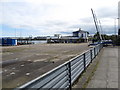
[107, 12]
[87, 20]
[63, 32]
[56, 23]
[75, 26]
[105, 29]
[92, 30]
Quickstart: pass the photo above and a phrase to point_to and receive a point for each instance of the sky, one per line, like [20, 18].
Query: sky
[23, 18]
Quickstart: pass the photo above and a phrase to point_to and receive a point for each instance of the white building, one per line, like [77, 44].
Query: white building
[81, 34]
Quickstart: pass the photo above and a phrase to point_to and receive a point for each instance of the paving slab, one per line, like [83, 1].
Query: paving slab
[103, 72]
[106, 75]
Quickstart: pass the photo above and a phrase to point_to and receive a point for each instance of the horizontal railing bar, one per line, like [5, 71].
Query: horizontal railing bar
[78, 74]
[78, 59]
[75, 65]
[65, 84]
[73, 74]
[47, 79]
[55, 80]
[77, 68]
[60, 83]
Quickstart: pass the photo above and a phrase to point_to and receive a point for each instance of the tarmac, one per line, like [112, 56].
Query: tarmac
[103, 72]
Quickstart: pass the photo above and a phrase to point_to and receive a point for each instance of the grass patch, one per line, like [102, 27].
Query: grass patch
[91, 75]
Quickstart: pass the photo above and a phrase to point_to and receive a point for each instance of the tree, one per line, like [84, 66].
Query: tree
[97, 36]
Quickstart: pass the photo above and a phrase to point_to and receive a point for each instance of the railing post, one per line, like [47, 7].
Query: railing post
[97, 50]
[94, 52]
[91, 55]
[69, 69]
[84, 62]
[99, 47]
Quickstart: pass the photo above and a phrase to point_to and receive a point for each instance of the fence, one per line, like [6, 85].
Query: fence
[64, 75]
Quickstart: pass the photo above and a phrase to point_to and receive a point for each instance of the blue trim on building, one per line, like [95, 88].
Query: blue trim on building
[8, 42]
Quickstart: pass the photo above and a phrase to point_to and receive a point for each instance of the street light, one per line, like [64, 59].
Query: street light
[118, 26]
[115, 25]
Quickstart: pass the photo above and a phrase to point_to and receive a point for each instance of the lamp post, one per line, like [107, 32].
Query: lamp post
[118, 26]
[115, 25]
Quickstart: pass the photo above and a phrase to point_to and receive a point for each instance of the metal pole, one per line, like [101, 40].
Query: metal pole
[118, 26]
[69, 69]
[97, 49]
[95, 21]
[94, 52]
[98, 27]
[84, 62]
[115, 25]
[91, 55]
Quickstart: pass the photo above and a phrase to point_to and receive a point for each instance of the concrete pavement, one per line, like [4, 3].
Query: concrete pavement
[102, 72]
[106, 74]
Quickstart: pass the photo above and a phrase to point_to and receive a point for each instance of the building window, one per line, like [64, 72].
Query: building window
[81, 35]
[5, 40]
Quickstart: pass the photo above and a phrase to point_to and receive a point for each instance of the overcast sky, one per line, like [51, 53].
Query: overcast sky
[49, 17]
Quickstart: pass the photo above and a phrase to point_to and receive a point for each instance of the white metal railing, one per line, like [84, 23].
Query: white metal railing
[64, 75]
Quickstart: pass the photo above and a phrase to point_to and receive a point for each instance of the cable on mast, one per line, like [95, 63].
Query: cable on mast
[96, 24]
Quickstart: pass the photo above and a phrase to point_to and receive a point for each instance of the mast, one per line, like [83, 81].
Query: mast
[94, 20]
[96, 24]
